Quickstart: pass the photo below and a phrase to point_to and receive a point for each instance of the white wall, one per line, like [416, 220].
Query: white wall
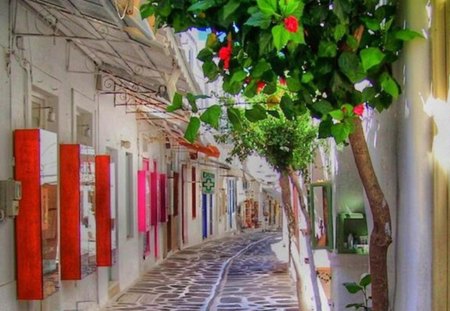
[414, 234]
[116, 125]
[400, 144]
[7, 274]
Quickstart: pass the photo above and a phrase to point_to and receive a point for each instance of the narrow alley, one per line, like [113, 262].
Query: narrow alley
[243, 272]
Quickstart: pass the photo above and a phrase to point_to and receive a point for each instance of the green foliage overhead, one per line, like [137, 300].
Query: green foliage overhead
[320, 48]
[283, 143]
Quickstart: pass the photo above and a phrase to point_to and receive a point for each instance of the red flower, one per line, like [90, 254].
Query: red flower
[291, 23]
[282, 80]
[225, 55]
[359, 110]
[260, 86]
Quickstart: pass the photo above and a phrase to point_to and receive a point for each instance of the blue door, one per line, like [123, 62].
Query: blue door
[205, 216]
[210, 214]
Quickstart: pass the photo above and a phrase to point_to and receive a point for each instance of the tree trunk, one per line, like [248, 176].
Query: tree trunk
[312, 264]
[286, 201]
[381, 236]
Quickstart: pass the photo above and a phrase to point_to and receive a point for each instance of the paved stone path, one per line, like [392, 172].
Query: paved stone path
[244, 272]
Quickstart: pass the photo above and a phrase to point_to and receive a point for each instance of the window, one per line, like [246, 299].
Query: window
[129, 194]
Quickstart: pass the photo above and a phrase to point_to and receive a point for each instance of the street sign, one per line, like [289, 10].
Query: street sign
[208, 182]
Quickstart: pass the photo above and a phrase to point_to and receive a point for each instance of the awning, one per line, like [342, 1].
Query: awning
[209, 150]
[112, 39]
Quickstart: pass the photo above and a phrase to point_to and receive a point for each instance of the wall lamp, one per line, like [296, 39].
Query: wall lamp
[51, 115]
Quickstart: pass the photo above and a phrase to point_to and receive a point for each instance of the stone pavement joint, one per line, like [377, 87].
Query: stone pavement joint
[243, 272]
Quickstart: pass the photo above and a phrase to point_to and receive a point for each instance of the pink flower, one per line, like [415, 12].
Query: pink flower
[260, 86]
[291, 23]
[359, 109]
[225, 55]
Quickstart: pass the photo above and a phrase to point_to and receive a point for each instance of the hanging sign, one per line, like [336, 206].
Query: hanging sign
[208, 182]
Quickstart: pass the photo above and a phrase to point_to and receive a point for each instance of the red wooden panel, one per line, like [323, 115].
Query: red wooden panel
[163, 205]
[142, 202]
[69, 172]
[194, 193]
[154, 198]
[176, 179]
[28, 222]
[103, 210]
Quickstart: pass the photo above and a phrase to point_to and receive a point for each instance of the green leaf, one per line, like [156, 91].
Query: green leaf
[337, 114]
[232, 87]
[164, 8]
[288, 7]
[230, 7]
[407, 35]
[270, 88]
[307, 77]
[351, 66]
[339, 32]
[325, 128]
[268, 7]
[371, 23]
[365, 280]
[212, 116]
[210, 70]
[147, 9]
[274, 113]
[265, 43]
[238, 76]
[389, 85]
[287, 106]
[352, 287]
[280, 36]
[205, 55]
[181, 21]
[368, 94]
[327, 49]
[250, 89]
[298, 36]
[341, 9]
[259, 20]
[256, 113]
[323, 106]
[371, 57]
[201, 5]
[260, 68]
[235, 118]
[192, 129]
[293, 84]
[177, 103]
[192, 101]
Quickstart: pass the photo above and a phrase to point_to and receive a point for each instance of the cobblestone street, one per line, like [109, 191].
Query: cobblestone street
[244, 272]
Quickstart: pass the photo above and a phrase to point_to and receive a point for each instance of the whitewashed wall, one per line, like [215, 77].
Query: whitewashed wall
[400, 144]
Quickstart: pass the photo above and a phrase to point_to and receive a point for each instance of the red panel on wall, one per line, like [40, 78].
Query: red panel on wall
[103, 210]
[176, 181]
[163, 204]
[154, 198]
[28, 222]
[142, 223]
[194, 193]
[183, 203]
[70, 212]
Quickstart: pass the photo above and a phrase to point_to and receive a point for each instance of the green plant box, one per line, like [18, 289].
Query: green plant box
[355, 226]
